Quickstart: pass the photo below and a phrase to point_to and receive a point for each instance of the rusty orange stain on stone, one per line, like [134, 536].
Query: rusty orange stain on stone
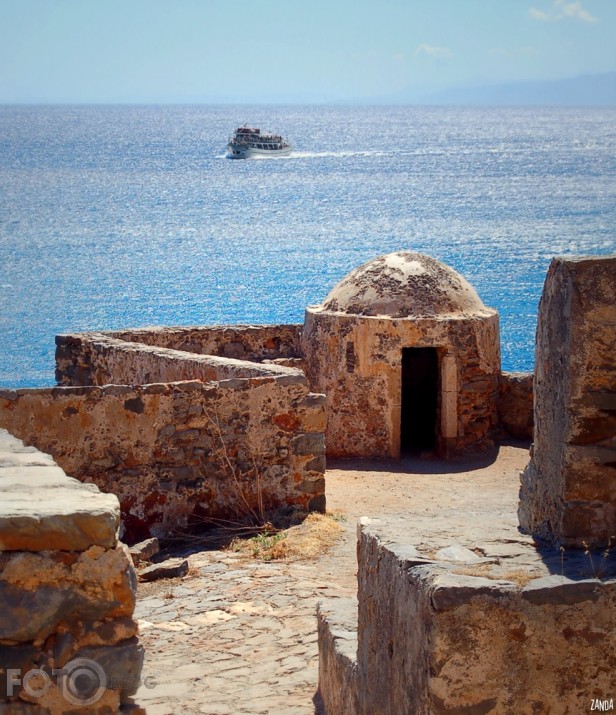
[287, 422]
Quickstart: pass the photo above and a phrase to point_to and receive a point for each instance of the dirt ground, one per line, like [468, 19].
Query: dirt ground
[238, 636]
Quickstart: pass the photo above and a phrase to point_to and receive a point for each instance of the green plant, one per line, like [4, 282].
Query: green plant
[261, 544]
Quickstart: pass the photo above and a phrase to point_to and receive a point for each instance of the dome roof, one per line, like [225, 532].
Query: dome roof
[401, 285]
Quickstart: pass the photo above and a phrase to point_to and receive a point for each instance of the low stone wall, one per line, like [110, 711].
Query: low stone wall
[179, 455]
[67, 591]
[99, 359]
[240, 342]
[337, 632]
[515, 404]
[81, 359]
[442, 629]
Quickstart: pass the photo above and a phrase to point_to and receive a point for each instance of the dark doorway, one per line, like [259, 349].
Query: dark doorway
[419, 399]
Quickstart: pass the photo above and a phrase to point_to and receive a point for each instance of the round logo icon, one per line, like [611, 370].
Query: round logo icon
[83, 681]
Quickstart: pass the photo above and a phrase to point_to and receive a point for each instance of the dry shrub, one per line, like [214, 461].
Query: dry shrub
[314, 536]
[519, 576]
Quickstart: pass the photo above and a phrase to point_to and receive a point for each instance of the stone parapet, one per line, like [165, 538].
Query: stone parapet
[100, 359]
[337, 632]
[240, 342]
[184, 455]
[488, 626]
[67, 591]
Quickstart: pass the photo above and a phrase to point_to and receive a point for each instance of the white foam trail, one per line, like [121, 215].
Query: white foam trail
[341, 154]
[316, 155]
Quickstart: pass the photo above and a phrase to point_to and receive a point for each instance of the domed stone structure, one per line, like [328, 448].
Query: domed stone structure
[403, 285]
[409, 358]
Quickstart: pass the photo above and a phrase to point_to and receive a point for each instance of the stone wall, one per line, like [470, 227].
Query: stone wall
[515, 404]
[241, 342]
[67, 591]
[444, 630]
[357, 362]
[100, 359]
[179, 455]
[568, 493]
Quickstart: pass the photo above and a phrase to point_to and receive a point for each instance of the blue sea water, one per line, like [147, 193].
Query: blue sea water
[132, 216]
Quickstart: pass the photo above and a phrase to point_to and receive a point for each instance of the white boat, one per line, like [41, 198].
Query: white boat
[248, 142]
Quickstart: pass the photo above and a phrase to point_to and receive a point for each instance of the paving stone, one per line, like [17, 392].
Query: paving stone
[171, 568]
[210, 618]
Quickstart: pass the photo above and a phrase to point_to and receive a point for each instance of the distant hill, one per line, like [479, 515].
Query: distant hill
[594, 90]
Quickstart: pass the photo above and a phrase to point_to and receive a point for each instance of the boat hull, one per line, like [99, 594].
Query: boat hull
[235, 152]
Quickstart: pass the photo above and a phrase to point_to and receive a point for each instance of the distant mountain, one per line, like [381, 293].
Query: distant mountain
[595, 90]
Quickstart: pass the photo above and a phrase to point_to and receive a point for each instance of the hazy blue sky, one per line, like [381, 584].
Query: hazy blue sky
[291, 50]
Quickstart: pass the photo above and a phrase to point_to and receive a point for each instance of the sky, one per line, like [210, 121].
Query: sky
[186, 51]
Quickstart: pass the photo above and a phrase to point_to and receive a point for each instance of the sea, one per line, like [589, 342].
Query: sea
[126, 216]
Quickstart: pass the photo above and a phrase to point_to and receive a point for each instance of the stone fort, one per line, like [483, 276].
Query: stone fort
[187, 426]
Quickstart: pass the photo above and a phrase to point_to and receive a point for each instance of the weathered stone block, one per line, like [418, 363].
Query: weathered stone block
[41, 508]
[144, 550]
[308, 444]
[567, 490]
[450, 590]
[317, 464]
[20, 658]
[121, 665]
[39, 591]
[318, 503]
[557, 589]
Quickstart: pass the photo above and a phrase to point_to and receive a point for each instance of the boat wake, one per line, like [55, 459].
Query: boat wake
[316, 155]
[339, 154]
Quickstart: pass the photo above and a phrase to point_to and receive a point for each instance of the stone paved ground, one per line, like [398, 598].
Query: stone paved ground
[238, 636]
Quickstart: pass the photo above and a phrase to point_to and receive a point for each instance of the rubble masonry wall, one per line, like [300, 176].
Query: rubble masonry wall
[180, 454]
[67, 587]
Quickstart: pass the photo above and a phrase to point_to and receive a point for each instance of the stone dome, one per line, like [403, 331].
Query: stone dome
[401, 285]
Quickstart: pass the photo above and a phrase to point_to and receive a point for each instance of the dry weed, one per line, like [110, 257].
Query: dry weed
[519, 576]
[316, 534]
